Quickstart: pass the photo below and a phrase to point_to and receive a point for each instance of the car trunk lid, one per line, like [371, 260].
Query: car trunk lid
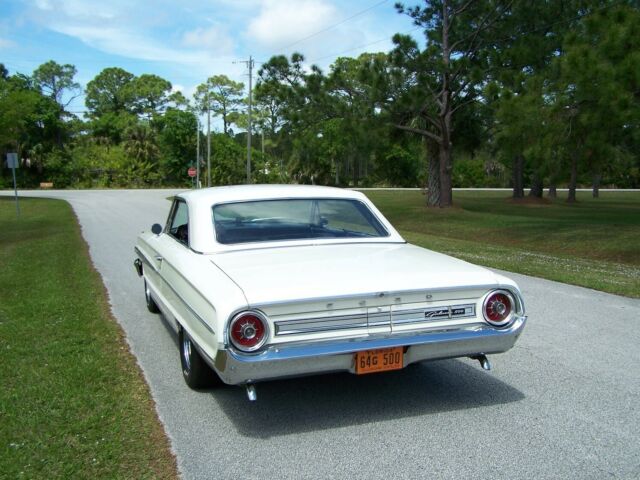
[332, 272]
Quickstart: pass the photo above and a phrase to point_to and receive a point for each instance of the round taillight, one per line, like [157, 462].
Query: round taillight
[498, 308]
[248, 331]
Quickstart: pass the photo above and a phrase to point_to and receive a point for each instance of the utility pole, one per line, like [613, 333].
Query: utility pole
[197, 151]
[208, 138]
[250, 64]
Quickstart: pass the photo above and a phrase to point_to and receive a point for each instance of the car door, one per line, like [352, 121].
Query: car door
[173, 244]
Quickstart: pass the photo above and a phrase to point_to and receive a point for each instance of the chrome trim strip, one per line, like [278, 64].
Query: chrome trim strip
[144, 259]
[322, 329]
[372, 319]
[184, 302]
[327, 241]
[319, 324]
[377, 295]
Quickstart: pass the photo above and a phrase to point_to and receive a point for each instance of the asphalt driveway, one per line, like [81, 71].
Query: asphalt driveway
[564, 403]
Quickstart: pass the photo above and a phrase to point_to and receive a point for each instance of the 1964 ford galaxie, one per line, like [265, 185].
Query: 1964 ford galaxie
[272, 281]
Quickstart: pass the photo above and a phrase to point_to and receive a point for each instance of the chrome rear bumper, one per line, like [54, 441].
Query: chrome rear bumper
[336, 356]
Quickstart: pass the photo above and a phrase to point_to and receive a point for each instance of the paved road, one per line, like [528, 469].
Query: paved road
[564, 403]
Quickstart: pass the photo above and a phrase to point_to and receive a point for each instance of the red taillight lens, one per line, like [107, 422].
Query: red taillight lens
[498, 308]
[248, 331]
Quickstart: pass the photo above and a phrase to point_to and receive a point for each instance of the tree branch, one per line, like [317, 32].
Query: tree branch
[424, 133]
[460, 88]
[460, 105]
[460, 10]
[486, 23]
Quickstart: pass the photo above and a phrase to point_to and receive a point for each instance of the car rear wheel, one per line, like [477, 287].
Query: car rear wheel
[151, 304]
[195, 370]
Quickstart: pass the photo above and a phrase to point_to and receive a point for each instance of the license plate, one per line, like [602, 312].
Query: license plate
[380, 360]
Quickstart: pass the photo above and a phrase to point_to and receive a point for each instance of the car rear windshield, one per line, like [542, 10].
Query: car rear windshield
[294, 219]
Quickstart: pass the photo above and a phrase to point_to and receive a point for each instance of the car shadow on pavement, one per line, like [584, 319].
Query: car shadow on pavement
[166, 323]
[323, 402]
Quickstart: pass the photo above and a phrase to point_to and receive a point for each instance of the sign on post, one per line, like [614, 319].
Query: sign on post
[12, 160]
[191, 172]
[12, 163]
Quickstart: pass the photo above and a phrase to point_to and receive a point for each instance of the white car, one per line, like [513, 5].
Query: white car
[271, 281]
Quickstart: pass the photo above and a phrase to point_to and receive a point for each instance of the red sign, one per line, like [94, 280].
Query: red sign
[192, 172]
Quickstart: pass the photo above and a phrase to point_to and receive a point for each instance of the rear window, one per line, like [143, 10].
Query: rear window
[294, 219]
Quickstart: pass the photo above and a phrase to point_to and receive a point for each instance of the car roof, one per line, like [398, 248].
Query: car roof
[201, 232]
[214, 195]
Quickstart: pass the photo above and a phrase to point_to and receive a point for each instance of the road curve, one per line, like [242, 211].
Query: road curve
[564, 403]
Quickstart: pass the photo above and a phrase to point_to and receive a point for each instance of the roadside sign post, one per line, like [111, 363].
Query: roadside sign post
[192, 172]
[12, 163]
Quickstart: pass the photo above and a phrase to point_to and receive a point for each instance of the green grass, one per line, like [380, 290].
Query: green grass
[73, 402]
[594, 243]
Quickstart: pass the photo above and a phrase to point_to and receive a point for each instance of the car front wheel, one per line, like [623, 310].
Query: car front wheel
[151, 304]
[195, 371]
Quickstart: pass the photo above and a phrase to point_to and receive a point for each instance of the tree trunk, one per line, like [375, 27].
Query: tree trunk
[446, 191]
[518, 183]
[553, 191]
[536, 186]
[597, 178]
[433, 193]
[224, 120]
[446, 166]
[354, 170]
[573, 181]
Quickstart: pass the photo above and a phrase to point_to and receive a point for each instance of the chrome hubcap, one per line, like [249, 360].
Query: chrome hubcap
[186, 353]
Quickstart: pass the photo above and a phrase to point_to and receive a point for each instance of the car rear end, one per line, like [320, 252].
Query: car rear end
[365, 334]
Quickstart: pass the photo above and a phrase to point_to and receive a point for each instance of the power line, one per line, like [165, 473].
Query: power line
[357, 14]
[363, 46]
[520, 34]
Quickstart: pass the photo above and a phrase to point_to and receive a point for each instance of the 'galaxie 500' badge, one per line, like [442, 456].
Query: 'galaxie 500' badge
[437, 313]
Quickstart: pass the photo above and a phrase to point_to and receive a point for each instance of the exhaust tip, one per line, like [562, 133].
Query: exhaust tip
[484, 361]
[252, 395]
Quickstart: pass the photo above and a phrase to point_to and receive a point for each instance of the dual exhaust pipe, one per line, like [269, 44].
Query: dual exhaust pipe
[252, 395]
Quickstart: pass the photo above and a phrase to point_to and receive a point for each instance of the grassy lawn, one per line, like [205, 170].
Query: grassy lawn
[73, 402]
[594, 243]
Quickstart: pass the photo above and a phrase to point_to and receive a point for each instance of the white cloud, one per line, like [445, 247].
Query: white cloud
[6, 43]
[320, 29]
[44, 5]
[281, 22]
[126, 43]
[214, 39]
[144, 30]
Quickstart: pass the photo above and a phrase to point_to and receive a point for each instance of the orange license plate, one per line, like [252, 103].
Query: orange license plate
[380, 360]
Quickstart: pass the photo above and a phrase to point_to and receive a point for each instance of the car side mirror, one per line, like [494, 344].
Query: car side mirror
[156, 229]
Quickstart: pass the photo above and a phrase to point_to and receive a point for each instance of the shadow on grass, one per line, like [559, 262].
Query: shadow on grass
[293, 406]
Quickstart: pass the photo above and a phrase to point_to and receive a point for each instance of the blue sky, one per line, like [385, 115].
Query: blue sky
[186, 41]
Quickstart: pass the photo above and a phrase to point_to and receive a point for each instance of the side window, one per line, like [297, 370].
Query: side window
[178, 226]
